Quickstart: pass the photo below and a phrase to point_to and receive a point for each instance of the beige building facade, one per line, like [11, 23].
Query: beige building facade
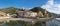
[27, 14]
[2, 14]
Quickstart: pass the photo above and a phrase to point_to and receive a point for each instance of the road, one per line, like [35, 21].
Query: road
[30, 20]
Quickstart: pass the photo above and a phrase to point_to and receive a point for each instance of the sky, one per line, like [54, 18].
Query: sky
[50, 5]
[21, 3]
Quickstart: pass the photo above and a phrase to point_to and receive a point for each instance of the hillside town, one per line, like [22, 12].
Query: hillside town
[32, 16]
[35, 15]
[24, 13]
[28, 13]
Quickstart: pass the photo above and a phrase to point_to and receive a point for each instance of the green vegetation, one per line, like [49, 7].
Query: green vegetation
[16, 23]
[37, 9]
[22, 23]
[13, 10]
[40, 24]
[10, 10]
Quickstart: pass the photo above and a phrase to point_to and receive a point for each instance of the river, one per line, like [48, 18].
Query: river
[53, 22]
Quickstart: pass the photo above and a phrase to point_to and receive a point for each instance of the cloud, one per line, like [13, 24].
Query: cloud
[52, 6]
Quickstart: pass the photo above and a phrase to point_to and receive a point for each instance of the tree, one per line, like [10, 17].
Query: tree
[10, 10]
[37, 9]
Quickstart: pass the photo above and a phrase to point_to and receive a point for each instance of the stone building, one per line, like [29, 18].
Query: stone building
[26, 13]
[39, 14]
